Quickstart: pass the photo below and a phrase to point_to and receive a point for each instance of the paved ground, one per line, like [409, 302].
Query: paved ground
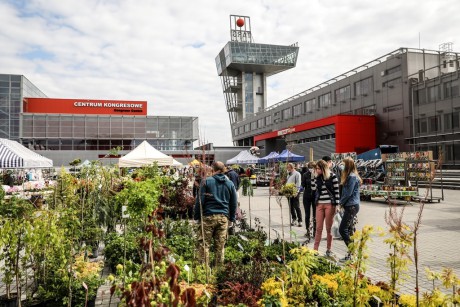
[438, 240]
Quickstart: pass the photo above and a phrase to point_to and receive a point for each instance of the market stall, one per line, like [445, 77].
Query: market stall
[404, 171]
[143, 155]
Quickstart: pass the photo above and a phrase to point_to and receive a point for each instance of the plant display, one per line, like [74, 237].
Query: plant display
[152, 251]
[289, 190]
[247, 187]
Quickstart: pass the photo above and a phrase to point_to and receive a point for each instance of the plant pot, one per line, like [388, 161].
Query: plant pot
[91, 303]
[8, 302]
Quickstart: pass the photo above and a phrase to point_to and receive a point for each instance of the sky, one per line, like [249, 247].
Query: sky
[163, 52]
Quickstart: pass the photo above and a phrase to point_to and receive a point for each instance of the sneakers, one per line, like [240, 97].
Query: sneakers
[307, 234]
[346, 258]
[300, 224]
[293, 223]
[330, 254]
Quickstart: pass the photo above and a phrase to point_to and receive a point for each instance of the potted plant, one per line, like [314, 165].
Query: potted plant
[86, 281]
[14, 227]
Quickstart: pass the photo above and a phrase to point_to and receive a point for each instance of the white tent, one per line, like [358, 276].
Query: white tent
[15, 155]
[176, 163]
[144, 154]
[244, 157]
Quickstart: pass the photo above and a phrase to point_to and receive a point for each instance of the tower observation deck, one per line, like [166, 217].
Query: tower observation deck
[244, 66]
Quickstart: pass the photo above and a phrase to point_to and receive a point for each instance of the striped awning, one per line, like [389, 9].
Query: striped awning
[15, 155]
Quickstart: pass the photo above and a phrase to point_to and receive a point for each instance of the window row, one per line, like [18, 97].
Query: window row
[316, 138]
[101, 145]
[434, 93]
[438, 123]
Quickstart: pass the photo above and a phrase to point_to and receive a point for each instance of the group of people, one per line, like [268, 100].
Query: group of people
[323, 193]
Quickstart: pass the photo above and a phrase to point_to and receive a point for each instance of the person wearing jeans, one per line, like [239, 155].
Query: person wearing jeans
[349, 200]
[326, 198]
[309, 198]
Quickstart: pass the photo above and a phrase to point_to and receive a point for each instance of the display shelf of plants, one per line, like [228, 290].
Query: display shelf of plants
[403, 172]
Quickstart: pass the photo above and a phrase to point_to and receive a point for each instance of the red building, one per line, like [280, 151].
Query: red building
[345, 133]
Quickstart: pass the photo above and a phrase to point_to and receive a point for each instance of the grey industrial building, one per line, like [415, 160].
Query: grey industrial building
[412, 93]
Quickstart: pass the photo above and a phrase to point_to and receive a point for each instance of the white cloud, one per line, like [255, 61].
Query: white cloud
[163, 51]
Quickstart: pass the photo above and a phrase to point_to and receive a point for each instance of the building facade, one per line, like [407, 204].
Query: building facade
[412, 93]
[66, 129]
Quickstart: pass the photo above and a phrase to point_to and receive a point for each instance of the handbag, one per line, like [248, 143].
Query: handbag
[336, 223]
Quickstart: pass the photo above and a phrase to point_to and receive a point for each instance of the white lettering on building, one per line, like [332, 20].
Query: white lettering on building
[286, 131]
[107, 104]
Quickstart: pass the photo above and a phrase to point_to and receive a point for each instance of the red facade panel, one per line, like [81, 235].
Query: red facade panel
[84, 106]
[353, 133]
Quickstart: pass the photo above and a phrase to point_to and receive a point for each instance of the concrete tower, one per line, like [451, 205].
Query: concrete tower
[244, 66]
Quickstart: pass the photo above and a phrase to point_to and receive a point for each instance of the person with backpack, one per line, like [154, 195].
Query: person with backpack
[349, 201]
[326, 200]
[308, 179]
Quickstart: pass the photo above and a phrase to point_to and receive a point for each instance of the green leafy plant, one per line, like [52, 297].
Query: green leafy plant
[247, 187]
[115, 246]
[289, 190]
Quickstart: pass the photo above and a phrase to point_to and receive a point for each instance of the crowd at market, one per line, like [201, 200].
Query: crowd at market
[324, 195]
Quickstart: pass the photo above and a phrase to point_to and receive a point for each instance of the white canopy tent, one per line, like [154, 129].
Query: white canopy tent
[176, 163]
[244, 157]
[15, 155]
[144, 154]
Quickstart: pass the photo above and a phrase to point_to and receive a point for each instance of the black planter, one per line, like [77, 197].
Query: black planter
[8, 302]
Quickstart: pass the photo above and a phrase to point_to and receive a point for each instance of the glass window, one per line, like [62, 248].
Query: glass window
[246, 128]
[253, 125]
[324, 100]
[433, 93]
[455, 120]
[342, 94]
[249, 95]
[417, 126]
[260, 123]
[268, 120]
[423, 126]
[448, 122]
[393, 108]
[66, 126]
[434, 123]
[235, 131]
[309, 105]
[450, 89]
[421, 96]
[391, 83]
[91, 127]
[286, 113]
[393, 70]
[79, 127]
[297, 109]
[363, 87]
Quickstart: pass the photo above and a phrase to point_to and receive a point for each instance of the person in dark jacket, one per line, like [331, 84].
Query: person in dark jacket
[215, 206]
[309, 205]
[349, 200]
[234, 177]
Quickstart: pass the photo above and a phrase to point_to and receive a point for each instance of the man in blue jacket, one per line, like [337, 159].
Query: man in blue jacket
[216, 206]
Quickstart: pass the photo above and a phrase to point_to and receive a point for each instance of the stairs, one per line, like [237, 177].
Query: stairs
[450, 180]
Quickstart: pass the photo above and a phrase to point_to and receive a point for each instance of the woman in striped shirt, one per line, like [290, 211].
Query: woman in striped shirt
[326, 198]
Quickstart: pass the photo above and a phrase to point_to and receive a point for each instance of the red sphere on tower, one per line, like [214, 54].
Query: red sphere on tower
[240, 22]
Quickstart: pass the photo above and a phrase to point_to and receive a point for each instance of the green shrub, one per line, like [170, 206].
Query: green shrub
[115, 245]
